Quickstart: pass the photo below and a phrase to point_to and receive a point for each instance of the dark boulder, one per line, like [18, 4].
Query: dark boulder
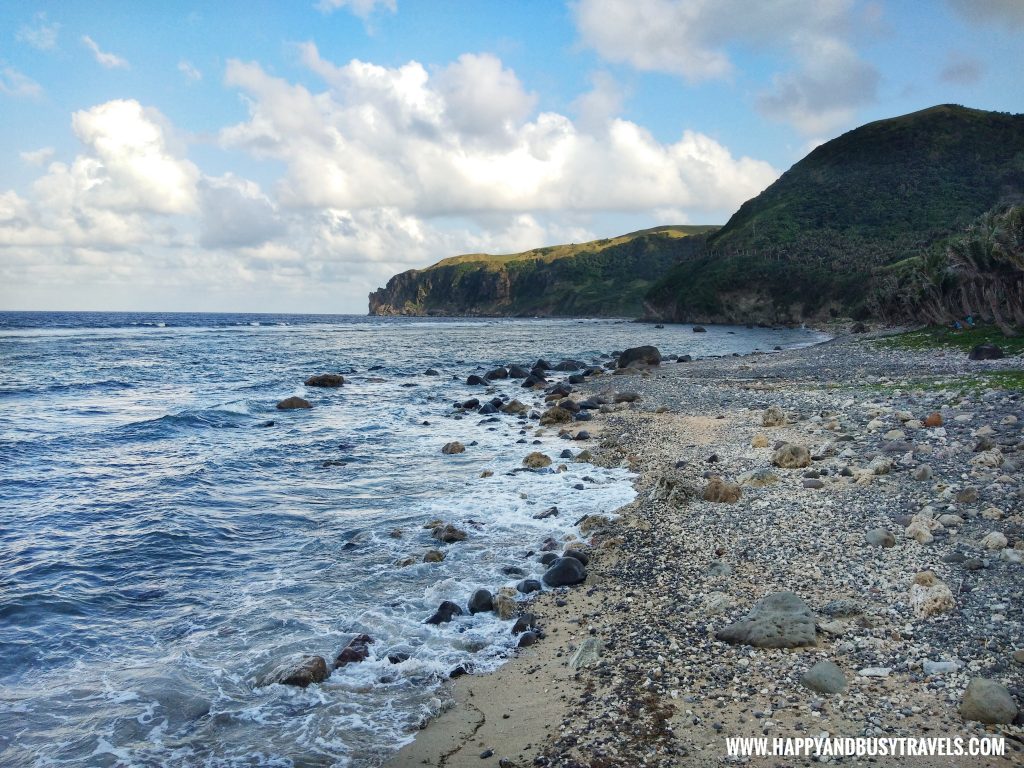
[548, 557]
[475, 380]
[564, 572]
[542, 364]
[497, 373]
[481, 601]
[487, 409]
[685, 358]
[699, 329]
[645, 355]
[517, 372]
[325, 380]
[569, 404]
[569, 365]
[527, 639]
[471, 403]
[431, 372]
[293, 403]
[577, 378]
[445, 613]
[859, 328]
[301, 671]
[358, 648]
[583, 557]
[523, 623]
[526, 586]
[532, 381]
[986, 352]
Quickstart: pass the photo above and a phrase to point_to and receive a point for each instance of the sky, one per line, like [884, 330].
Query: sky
[292, 156]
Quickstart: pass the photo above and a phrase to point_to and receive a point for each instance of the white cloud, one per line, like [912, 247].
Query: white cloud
[998, 12]
[397, 137]
[697, 40]
[104, 59]
[600, 104]
[37, 157]
[41, 35]
[15, 83]
[189, 70]
[361, 8]
[235, 213]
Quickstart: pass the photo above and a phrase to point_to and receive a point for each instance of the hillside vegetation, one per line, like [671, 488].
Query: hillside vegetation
[608, 277]
[822, 240]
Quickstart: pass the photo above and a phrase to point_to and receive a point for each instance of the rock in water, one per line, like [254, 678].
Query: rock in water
[699, 329]
[791, 456]
[505, 603]
[779, 620]
[555, 415]
[773, 417]
[453, 447]
[300, 671]
[929, 595]
[448, 533]
[720, 491]
[293, 403]
[583, 557]
[325, 380]
[646, 355]
[445, 613]
[986, 701]
[825, 677]
[986, 352]
[565, 572]
[358, 648]
[481, 602]
[536, 460]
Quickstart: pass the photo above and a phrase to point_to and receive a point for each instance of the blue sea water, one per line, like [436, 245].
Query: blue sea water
[163, 546]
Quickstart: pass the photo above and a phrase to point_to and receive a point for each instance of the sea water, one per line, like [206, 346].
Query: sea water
[167, 536]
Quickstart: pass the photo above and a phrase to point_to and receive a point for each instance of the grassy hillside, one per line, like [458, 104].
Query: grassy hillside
[814, 242]
[608, 277]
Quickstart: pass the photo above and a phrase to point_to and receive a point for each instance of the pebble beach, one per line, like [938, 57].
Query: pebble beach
[825, 542]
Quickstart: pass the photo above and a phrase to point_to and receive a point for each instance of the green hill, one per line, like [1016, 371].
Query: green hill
[600, 278]
[820, 240]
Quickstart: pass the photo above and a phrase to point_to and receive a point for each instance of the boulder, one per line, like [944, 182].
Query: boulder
[569, 365]
[986, 352]
[525, 640]
[527, 586]
[880, 537]
[517, 372]
[325, 380]
[626, 397]
[433, 556]
[721, 491]
[791, 456]
[505, 605]
[773, 417]
[645, 355]
[523, 623]
[515, 408]
[825, 677]
[497, 373]
[933, 420]
[444, 613]
[699, 329]
[986, 701]
[583, 557]
[293, 403]
[481, 601]
[448, 533]
[300, 671]
[358, 648]
[587, 655]
[474, 380]
[565, 572]
[453, 447]
[929, 595]
[536, 460]
[431, 372]
[555, 415]
[779, 620]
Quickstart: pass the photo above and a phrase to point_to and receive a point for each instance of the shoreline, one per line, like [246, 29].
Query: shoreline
[673, 569]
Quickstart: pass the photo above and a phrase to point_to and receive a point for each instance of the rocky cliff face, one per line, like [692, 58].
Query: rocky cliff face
[604, 278]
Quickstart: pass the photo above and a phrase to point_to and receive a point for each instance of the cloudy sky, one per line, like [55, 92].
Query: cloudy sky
[291, 156]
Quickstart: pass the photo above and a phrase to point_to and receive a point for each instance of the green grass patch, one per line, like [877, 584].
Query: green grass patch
[1009, 380]
[934, 337]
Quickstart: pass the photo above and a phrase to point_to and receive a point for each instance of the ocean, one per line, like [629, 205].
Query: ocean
[168, 537]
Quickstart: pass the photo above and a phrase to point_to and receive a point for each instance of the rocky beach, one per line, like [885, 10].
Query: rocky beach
[825, 542]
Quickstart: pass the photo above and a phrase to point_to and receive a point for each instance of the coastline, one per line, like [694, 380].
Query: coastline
[674, 569]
